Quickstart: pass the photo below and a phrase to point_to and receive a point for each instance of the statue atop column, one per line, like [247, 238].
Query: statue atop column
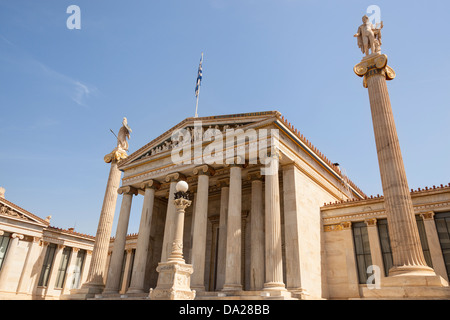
[369, 36]
[124, 133]
[120, 152]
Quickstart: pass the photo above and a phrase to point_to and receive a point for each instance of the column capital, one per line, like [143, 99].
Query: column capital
[17, 235]
[127, 190]
[151, 184]
[116, 155]
[346, 225]
[182, 203]
[372, 65]
[225, 182]
[427, 215]
[371, 222]
[254, 175]
[204, 169]
[174, 177]
[235, 161]
[2, 232]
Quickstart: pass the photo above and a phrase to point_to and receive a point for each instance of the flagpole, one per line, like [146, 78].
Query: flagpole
[198, 87]
[196, 104]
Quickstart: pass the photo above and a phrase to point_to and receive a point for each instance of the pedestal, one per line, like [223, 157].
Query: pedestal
[174, 279]
[173, 282]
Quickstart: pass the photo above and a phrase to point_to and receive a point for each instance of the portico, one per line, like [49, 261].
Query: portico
[241, 233]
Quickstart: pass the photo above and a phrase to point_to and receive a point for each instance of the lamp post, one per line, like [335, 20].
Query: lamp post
[174, 275]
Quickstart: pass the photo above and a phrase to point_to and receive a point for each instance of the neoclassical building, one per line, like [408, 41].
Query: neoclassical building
[38, 261]
[304, 232]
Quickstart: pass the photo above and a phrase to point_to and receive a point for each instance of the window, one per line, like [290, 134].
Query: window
[79, 262]
[362, 250]
[4, 241]
[133, 252]
[385, 243]
[423, 240]
[442, 221]
[122, 272]
[47, 265]
[60, 277]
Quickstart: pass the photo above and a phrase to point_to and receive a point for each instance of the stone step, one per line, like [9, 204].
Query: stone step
[407, 292]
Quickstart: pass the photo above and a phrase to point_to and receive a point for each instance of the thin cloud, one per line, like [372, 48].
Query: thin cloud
[76, 90]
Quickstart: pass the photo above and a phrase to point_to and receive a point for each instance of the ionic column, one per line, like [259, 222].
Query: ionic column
[115, 266]
[293, 222]
[140, 260]
[256, 233]
[170, 216]
[8, 263]
[222, 246]
[274, 260]
[234, 230]
[406, 248]
[433, 243]
[95, 279]
[198, 253]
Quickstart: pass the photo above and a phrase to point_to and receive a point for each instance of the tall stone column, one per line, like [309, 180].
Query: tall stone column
[95, 280]
[222, 246]
[173, 178]
[198, 253]
[140, 261]
[256, 232]
[293, 222]
[115, 267]
[8, 263]
[407, 252]
[274, 260]
[234, 230]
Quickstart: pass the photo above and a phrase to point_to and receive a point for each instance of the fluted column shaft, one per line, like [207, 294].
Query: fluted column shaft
[115, 265]
[233, 256]
[274, 262]
[140, 261]
[222, 247]
[257, 236]
[406, 248]
[198, 254]
[100, 251]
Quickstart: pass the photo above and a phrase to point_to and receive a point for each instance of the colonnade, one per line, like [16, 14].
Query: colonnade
[266, 263]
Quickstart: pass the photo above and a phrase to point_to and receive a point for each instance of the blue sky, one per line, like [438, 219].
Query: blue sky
[62, 90]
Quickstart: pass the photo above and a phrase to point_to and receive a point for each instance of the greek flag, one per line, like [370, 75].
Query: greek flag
[199, 76]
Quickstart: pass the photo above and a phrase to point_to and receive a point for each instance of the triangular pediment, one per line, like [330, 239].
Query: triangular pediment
[13, 211]
[164, 142]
